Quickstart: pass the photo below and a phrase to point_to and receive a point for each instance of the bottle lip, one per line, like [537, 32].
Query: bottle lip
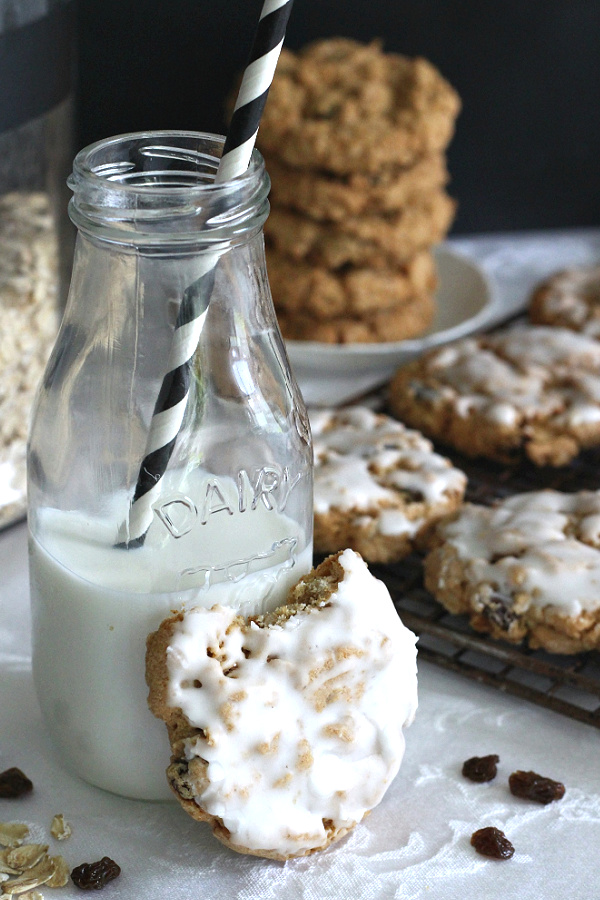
[160, 185]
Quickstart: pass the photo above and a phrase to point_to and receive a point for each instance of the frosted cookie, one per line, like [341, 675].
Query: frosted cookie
[332, 198]
[531, 391]
[408, 319]
[370, 241]
[526, 569]
[344, 106]
[571, 299]
[282, 730]
[378, 486]
[299, 288]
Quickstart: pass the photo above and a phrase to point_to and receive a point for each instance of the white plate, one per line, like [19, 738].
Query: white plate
[330, 374]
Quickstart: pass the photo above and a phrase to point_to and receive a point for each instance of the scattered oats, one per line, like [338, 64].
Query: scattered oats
[5, 869]
[60, 828]
[28, 326]
[31, 878]
[24, 867]
[60, 876]
[27, 856]
[12, 834]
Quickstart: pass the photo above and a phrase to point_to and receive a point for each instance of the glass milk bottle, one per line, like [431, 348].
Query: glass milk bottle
[127, 520]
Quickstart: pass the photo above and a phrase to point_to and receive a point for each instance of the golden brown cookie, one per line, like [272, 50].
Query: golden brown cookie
[326, 197]
[314, 291]
[526, 569]
[408, 319]
[569, 298]
[367, 241]
[344, 106]
[281, 732]
[530, 391]
[378, 487]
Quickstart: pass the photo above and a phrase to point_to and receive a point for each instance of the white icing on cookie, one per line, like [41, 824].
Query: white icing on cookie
[303, 721]
[544, 543]
[527, 372]
[364, 461]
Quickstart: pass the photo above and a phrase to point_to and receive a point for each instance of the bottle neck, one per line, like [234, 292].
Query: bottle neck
[158, 190]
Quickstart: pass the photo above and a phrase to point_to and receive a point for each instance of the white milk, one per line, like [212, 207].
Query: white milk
[94, 605]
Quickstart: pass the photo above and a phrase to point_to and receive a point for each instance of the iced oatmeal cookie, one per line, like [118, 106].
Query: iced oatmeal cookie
[531, 391]
[281, 729]
[527, 569]
[571, 299]
[378, 487]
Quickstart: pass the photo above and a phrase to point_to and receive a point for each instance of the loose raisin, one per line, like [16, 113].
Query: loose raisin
[532, 786]
[94, 876]
[492, 842]
[13, 783]
[481, 768]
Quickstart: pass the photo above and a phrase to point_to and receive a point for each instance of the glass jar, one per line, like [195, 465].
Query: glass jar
[230, 520]
[36, 116]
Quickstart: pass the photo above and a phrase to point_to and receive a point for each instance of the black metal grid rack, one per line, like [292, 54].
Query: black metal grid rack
[569, 685]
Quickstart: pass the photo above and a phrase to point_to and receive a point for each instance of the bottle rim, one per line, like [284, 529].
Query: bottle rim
[158, 187]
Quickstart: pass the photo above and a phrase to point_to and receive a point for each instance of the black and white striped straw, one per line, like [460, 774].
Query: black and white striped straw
[252, 95]
[171, 403]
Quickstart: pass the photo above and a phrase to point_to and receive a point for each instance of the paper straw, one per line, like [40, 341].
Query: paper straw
[171, 404]
[252, 95]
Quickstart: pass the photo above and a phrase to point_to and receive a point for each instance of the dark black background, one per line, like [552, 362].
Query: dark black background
[527, 148]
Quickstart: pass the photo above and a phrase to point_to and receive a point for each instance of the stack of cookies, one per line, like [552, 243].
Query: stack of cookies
[354, 141]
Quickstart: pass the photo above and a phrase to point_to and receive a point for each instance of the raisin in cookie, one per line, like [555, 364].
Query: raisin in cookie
[378, 486]
[525, 569]
[571, 299]
[530, 391]
[282, 732]
[344, 106]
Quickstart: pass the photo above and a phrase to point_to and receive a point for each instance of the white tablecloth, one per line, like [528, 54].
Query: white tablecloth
[416, 843]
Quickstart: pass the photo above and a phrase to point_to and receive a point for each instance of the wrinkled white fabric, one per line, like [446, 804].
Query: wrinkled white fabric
[415, 844]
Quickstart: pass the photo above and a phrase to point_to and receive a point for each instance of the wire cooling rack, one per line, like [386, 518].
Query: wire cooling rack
[569, 685]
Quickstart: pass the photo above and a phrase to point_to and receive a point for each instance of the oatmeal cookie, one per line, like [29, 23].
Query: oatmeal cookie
[331, 198]
[378, 486]
[345, 107]
[408, 319]
[526, 569]
[281, 729]
[314, 291]
[571, 299]
[368, 241]
[530, 391]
